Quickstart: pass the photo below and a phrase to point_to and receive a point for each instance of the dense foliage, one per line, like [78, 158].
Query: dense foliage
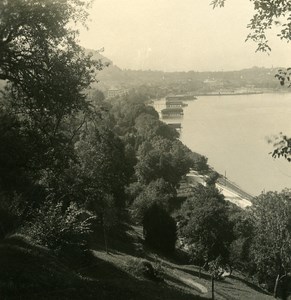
[159, 229]
[44, 112]
[70, 162]
[271, 248]
[204, 225]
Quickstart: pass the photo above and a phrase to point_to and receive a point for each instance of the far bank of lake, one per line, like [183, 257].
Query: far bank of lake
[232, 131]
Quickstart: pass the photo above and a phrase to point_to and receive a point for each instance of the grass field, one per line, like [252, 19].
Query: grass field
[32, 272]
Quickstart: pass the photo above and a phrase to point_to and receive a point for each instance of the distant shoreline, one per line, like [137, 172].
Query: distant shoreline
[230, 94]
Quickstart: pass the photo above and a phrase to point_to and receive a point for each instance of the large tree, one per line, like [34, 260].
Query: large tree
[163, 158]
[29, 32]
[272, 236]
[47, 73]
[44, 103]
[158, 192]
[204, 225]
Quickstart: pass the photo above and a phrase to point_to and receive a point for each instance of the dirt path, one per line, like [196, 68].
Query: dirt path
[191, 283]
[197, 286]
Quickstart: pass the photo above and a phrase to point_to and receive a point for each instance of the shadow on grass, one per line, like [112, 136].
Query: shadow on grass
[177, 281]
[191, 272]
[32, 272]
[251, 285]
[122, 238]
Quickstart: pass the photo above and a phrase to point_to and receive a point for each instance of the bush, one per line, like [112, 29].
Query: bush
[60, 228]
[11, 212]
[159, 229]
[143, 268]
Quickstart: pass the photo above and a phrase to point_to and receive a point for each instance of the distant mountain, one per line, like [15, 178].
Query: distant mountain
[111, 75]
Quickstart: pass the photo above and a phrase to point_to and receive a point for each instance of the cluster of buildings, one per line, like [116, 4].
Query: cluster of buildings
[174, 109]
[174, 106]
[115, 92]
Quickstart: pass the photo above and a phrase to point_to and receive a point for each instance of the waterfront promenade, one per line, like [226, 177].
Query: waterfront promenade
[231, 191]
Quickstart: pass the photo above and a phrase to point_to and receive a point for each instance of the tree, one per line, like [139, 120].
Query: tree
[44, 102]
[100, 169]
[59, 227]
[243, 231]
[30, 30]
[163, 158]
[47, 72]
[268, 14]
[126, 111]
[159, 229]
[204, 225]
[158, 192]
[148, 127]
[212, 178]
[15, 174]
[272, 236]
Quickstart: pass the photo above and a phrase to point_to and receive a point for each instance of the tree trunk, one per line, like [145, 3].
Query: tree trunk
[276, 286]
[212, 287]
[230, 270]
[105, 240]
[105, 236]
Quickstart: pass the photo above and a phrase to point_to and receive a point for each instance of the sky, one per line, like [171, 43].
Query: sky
[178, 35]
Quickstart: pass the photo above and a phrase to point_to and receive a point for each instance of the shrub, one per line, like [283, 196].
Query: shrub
[11, 212]
[143, 268]
[159, 229]
[60, 228]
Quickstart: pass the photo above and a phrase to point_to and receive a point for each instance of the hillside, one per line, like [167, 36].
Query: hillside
[32, 272]
[162, 83]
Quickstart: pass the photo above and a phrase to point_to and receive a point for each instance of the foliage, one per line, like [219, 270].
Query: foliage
[149, 127]
[47, 73]
[159, 229]
[31, 31]
[143, 268]
[60, 228]
[212, 178]
[216, 268]
[199, 162]
[205, 226]
[102, 168]
[272, 235]
[283, 76]
[157, 192]
[16, 171]
[282, 146]
[163, 158]
[268, 14]
[126, 113]
[240, 248]
[11, 212]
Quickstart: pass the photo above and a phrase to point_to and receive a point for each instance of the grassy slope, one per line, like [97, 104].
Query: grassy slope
[32, 272]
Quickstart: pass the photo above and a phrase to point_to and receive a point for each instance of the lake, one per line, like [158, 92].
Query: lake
[232, 132]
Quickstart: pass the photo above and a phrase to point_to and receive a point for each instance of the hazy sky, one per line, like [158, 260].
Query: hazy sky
[178, 35]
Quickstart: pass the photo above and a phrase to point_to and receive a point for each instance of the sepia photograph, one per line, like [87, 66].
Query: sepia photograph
[145, 149]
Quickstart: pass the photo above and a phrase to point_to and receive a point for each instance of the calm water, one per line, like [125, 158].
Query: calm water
[232, 131]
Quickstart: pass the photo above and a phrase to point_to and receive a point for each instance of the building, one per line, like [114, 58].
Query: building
[172, 113]
[174, 104]
[176, 126]
[113, 92]
[180, 97]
